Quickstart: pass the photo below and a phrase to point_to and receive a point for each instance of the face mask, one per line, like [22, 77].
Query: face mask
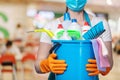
[76, 5]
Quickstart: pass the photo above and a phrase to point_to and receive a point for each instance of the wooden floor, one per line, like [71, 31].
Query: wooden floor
[27, 75]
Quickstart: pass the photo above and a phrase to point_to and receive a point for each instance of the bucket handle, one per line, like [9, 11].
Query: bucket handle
[54, 48]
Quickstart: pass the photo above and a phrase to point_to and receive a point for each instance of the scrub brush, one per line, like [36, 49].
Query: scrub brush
[94, 32]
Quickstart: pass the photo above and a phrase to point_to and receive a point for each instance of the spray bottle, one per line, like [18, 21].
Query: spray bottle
[85, 28]
[67, 21]
[74, 30]
[61, 34]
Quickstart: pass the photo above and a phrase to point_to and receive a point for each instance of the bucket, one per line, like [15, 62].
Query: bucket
[76, 54]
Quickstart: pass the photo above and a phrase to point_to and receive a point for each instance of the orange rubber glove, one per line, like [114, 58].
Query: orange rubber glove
[92, 68]
[53, 65]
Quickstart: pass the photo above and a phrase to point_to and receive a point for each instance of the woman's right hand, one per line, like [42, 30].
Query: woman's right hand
[53, 65]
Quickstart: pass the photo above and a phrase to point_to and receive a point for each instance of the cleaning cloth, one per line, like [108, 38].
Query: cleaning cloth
[103, 59]
[96, 53]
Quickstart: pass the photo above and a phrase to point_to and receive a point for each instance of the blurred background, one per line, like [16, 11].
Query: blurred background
[19, 16]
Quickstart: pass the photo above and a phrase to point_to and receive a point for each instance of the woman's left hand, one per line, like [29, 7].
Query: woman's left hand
[93, 70]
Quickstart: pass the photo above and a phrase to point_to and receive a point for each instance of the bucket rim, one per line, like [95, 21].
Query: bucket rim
[73, 41]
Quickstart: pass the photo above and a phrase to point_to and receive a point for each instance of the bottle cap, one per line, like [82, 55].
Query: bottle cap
[86, 24]
[60, 26]
[74, 20]
[66, 16]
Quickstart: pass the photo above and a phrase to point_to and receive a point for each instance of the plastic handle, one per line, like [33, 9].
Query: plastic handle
[45, 30]
[54, 48]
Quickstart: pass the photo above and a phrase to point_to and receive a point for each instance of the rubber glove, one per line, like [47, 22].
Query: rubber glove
[51, 64]
[92, 68]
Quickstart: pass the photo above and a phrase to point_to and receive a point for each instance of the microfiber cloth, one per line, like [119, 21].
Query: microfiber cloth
[104, 49]
[96, 53]
[103, 59]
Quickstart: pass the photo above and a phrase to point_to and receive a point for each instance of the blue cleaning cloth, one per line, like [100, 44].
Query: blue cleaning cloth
[96, 53]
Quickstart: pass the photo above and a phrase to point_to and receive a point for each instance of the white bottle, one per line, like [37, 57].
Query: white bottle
[67, 21]
[74, 30]
[65, 36]
[85, 28]
[59, 32]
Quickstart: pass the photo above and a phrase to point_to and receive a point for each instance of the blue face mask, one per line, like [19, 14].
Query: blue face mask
[76, 5]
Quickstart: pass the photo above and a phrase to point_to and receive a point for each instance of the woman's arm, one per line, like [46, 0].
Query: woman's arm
[108, 44]
[42, 54]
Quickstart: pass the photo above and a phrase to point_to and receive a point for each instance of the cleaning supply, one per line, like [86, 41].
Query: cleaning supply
[91, 67]
[74, 30]
[85, 28]
[96, 53]
[104, 48]
[65, 36]
[50, 33]
[76, 56]
[59, 32]
[67, 21]
[53, 65]
[94, 32]
[103, 59]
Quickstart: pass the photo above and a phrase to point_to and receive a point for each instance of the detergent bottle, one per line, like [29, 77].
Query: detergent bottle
[85, 28]
[59, 32]
[67, 21]
[65, 36]
[74, 30]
